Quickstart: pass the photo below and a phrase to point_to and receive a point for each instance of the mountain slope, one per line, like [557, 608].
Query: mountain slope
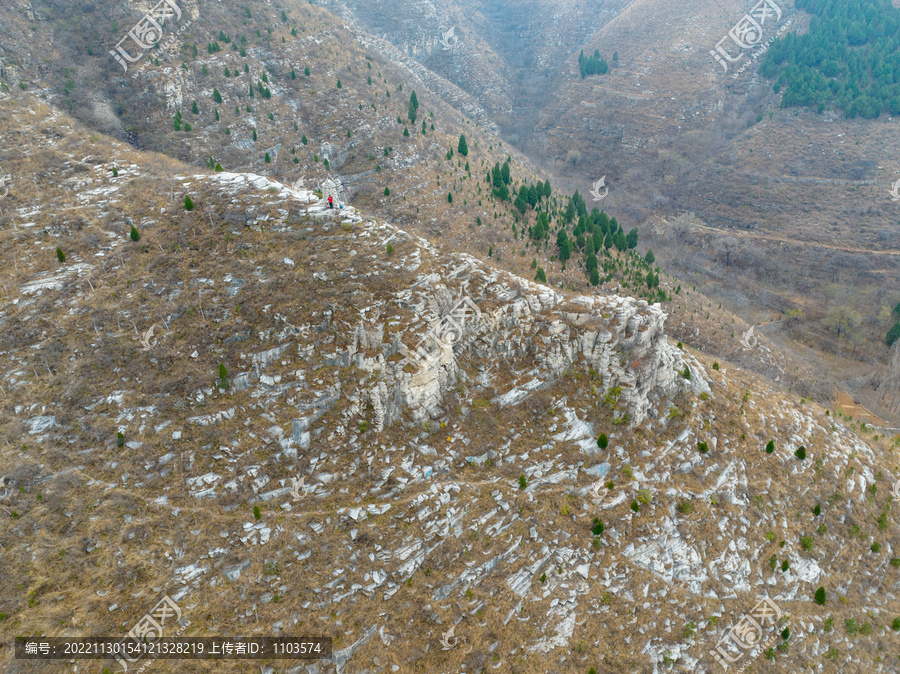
[453, 486]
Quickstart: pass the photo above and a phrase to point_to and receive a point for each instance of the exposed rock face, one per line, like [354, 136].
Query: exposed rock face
[512, 325]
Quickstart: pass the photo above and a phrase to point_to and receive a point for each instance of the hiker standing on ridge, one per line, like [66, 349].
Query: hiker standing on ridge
[330, 201]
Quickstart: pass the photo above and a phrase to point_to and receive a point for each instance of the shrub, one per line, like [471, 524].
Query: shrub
[896, 624]
[800, 453]
[257, 513]
[817, 510]
[597, 529]
[785, 565]
[702, 447]
[820, 596]
[387, 192]
[135, 235]
[895, 562]
[120, 440]
[685, 507]
[876, 546]
[543, 578]
[602, 441]
[686, 374]
[770, 447]
[635, 506]
[188, 204]
[390, 249]
[644, 496]
[60, 255]
[522, 482]
[716, 366]
[786, 634]
[806, 542]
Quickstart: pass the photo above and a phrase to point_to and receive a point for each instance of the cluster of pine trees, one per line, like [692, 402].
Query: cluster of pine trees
[594, 65]
[849, 59]
[499, 178]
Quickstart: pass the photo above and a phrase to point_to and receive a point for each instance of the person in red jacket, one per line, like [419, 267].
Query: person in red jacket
[330, 201]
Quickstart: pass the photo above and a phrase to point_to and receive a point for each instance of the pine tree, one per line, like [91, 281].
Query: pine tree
[217, 97]
[893, 334]
[216, 112]
[303, 140]
[339, 85]
[135, 235]
[462, 148]
[284, 16]
[188, 204]
[450, 197]
[540, 277]
[649, 258]
[405, 132]
[293, 74]
[254, 135]
[387, 192]
[60, 255]
[632, 238]
[595, 277]
[306, 71]
[268, 158]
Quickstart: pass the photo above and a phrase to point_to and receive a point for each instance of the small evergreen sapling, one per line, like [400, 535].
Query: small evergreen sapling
[602, 441]
[60, 255]
[770, 447]
[188, 204]
[820, 596]
[135, 234]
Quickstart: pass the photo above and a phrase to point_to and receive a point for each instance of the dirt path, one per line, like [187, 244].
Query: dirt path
[770, 237]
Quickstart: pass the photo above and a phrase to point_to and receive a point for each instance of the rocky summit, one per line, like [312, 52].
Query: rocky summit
[321, 359]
